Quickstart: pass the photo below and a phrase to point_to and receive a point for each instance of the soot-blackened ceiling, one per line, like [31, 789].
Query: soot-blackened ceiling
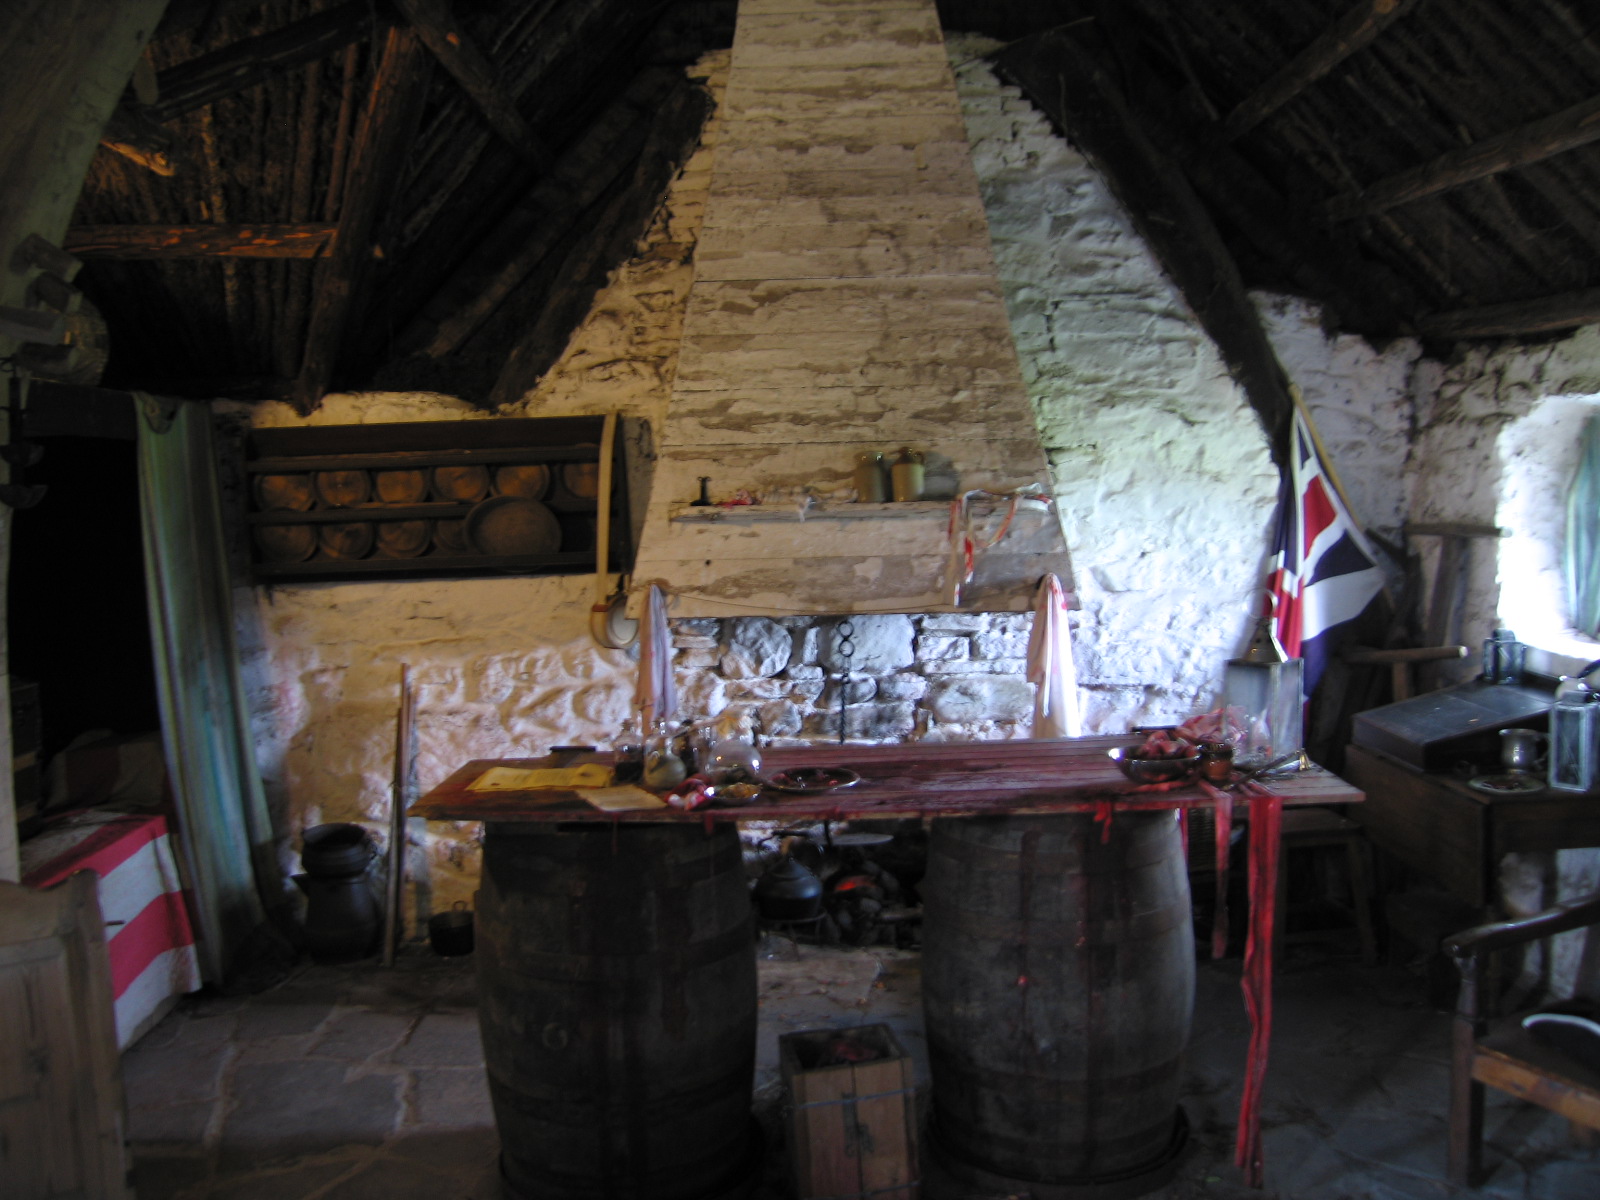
[306, 194]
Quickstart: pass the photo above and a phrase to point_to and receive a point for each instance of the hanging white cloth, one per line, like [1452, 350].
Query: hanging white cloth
[1055, 701]
[656, 694]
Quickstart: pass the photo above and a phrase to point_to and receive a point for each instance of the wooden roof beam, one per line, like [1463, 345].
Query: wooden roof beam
[1530, 143]
[1065, 79]
[457, 53]
[198, 241]
[380, 143]
[1361, 23]
[200, 81]
[1519, 318]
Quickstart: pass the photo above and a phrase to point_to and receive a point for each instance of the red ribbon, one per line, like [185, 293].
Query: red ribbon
[1219, 915]
[1266, 829]
[1104, 813]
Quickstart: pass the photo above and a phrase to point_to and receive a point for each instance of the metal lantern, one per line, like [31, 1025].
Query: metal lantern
[1262, 692]
[1575, 733]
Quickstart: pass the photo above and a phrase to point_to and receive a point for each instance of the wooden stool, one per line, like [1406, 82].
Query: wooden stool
[1313, 828]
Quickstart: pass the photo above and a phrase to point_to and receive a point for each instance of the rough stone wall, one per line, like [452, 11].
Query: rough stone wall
[939, 677]
[1162, 472]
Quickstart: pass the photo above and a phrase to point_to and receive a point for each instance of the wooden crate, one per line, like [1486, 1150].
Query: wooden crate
[852, 1125]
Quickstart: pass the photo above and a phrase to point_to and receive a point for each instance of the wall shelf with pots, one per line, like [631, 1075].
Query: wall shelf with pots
[432, 498]
[829, 510]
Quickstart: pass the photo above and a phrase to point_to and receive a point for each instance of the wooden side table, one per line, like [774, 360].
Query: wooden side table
[1455, 835]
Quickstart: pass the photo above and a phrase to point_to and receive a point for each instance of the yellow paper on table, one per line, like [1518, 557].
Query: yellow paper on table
[622, 798]
[526, 779]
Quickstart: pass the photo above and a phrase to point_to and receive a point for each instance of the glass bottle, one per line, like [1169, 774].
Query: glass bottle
[663, 768]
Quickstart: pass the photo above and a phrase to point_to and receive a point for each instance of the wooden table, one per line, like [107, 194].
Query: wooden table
[955, 780]
[916, 779]
[1455, 835]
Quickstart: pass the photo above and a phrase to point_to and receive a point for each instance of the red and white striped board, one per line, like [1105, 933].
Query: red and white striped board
[148, 932]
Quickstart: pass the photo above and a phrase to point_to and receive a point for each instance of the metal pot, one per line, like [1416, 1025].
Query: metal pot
[788, 891]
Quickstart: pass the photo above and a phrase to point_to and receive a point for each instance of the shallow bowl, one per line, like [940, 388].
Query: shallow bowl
[1152, 770]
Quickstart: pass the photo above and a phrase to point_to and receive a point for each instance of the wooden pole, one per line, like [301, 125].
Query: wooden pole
[200, 81]
[1547, 314]
[1360, 25]
[1530, 143]
[199, 241]
[393, 924]
[379, 147]
[457, 53]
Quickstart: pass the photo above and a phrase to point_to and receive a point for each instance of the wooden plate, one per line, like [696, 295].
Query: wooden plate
[293, 493]
[286, 543]
[513, 525]
[531, 480]
[343, 489]
[346, 540]
[462, 484]
[810, 780]
[403, 539]
[450, 538]
[401, 487]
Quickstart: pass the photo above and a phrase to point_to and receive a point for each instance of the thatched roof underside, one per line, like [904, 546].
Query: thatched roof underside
[1419, 168]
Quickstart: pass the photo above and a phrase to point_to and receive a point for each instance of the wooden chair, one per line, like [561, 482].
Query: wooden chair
[1504, 1055]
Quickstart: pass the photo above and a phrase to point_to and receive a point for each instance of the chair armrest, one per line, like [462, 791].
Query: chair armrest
[1573, 914]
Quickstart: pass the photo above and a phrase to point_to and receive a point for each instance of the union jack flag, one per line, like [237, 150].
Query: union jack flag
[1323, 570]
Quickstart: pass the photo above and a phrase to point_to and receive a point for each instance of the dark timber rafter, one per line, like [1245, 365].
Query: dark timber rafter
[379, 147]
[1359, 26]
[1066, 80]
[1534, 142]
[457, 53]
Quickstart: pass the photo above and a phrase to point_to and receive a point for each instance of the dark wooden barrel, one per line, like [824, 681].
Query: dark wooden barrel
[1058, 987]
[617, 999]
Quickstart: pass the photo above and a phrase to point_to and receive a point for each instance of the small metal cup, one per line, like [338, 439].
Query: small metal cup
[1522, 749]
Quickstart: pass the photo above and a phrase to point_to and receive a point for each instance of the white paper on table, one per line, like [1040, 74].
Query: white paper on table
[523, 779]
[622, 798]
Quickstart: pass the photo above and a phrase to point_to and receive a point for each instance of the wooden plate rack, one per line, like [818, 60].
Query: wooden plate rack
[284, 465]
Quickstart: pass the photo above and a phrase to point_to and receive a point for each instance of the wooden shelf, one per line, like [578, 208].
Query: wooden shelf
[829, 510]
[418, 446]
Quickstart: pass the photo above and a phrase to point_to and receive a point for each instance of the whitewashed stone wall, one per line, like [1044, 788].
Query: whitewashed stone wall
[1162, 472]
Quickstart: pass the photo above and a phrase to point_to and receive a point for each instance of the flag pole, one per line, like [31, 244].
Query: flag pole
[1333, 475]
[1322, 452]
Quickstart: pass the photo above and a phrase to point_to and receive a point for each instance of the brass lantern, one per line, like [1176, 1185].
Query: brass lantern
[1262, 693]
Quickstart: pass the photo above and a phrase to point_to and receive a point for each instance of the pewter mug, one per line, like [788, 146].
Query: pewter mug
[1522, 749]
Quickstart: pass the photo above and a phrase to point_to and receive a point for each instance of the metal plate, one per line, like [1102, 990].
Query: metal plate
[811, 780]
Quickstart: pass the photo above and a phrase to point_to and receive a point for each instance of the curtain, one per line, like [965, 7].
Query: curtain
[225, 831]
[1582, 550]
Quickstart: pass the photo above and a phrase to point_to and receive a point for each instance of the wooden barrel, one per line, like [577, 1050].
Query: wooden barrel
[1058, 988]
[617, 1001]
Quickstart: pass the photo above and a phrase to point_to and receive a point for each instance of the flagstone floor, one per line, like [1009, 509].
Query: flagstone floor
[360, 1083]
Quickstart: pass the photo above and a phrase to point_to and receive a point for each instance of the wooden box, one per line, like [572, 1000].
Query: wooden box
[852, 1125]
